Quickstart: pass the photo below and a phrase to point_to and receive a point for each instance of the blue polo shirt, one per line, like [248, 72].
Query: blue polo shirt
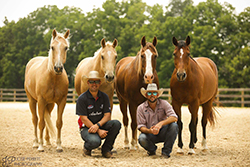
[93, 108]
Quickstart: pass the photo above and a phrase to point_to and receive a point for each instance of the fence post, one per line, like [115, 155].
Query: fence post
[242, 98]
[169, 97]
[218, 98]
[1, 95]
[74, 97]
[14, 95]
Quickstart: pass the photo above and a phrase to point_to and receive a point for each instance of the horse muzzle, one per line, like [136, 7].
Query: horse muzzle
[58, 70]
[181, 76]
[109, 78]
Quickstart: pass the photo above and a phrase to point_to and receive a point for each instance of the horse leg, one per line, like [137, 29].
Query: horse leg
[41, 110]
[207, 108]
[59, 123]
[193, 109]
[48, 109]
[32, 105]
[123, 108]
[177, 109]
[132, 110]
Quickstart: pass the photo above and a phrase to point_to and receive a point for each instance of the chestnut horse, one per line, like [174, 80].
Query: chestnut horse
[133, 73]
[46, 83]
[193, 82]
[104, 61]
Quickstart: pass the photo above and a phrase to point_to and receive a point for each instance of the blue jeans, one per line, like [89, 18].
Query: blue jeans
[167, 134]
[93, 140]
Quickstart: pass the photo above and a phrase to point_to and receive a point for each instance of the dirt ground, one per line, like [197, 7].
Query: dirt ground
[228, 142]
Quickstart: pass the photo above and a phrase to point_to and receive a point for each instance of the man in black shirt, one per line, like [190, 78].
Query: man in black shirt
[95, 122]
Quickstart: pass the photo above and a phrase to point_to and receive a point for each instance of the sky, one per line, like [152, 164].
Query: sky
[15, 9]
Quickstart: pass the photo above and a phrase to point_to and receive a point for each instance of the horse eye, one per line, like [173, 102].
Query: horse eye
[142, 56]
[115, 57]
[102, 58]
[174, 54]
[66, 48]
[52, 47]
[155, 56]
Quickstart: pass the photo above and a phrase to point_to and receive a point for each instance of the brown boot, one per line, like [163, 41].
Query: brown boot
[107, 154]
[86, 152]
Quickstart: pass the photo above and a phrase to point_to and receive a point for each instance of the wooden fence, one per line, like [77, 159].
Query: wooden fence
[225, 96]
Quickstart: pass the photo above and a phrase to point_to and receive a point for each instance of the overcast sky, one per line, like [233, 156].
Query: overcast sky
[15, 9]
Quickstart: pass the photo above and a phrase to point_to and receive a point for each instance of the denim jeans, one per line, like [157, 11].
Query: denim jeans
[167, 134]
[93, 140]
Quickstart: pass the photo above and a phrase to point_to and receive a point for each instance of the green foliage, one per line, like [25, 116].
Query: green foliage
[215, 30]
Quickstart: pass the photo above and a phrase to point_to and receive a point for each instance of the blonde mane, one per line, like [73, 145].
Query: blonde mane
[50, 57]
[99, 50]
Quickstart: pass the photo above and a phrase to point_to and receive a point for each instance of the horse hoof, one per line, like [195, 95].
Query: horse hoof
[59, 150]
[180, 151]
[191, 152]
[35, 146]
[48, 144]
[40, 150]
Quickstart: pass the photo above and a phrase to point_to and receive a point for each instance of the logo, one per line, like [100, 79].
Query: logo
[21, 161]
[90, 106]
[101, 107]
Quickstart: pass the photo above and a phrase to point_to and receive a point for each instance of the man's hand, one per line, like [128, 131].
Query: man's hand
[93, 128]
[155, 129]
[102, 133]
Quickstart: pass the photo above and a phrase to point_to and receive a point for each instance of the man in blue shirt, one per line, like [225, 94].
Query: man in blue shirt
[95, 122]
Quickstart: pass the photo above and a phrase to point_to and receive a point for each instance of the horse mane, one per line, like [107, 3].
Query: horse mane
[50, 61]
[98, 51]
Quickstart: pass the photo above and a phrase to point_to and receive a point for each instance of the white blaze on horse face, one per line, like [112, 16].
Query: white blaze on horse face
[59, 54]
[181, 50]
[149, 68]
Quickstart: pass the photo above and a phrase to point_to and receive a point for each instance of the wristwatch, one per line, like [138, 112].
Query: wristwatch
[98, 124]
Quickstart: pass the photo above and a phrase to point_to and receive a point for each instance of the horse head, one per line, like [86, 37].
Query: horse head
[148, 55]
[181, 57]
[108, 59]
[58, 51]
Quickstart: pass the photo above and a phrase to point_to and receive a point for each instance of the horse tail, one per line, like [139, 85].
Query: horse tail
[49, 124]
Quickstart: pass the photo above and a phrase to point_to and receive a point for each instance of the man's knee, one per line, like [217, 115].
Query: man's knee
[173, 127]
[142, 139]
[116, 124]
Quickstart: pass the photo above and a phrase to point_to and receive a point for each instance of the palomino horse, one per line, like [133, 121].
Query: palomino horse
[193, 82]
[46, 83]
[104, 62]
[133, 73]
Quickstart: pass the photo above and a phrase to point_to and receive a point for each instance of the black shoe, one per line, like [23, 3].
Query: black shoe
[107, 154]
[86, 152]
[165, 156]
[150, 153]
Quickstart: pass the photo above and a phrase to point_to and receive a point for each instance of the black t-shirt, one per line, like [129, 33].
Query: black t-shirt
[94, 109]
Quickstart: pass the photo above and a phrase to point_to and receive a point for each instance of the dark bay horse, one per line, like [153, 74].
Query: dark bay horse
[193, 82]
[133, 73]
[46, 83]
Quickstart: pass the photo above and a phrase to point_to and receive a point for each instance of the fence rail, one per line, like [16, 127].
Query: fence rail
[225, 96]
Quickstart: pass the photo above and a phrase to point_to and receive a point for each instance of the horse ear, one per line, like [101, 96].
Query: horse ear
[155, 41]
[175, 42]
[143, 41]
[103, 43]
[115, 43]
[188, 40]
[66, 35]
[54, 33]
